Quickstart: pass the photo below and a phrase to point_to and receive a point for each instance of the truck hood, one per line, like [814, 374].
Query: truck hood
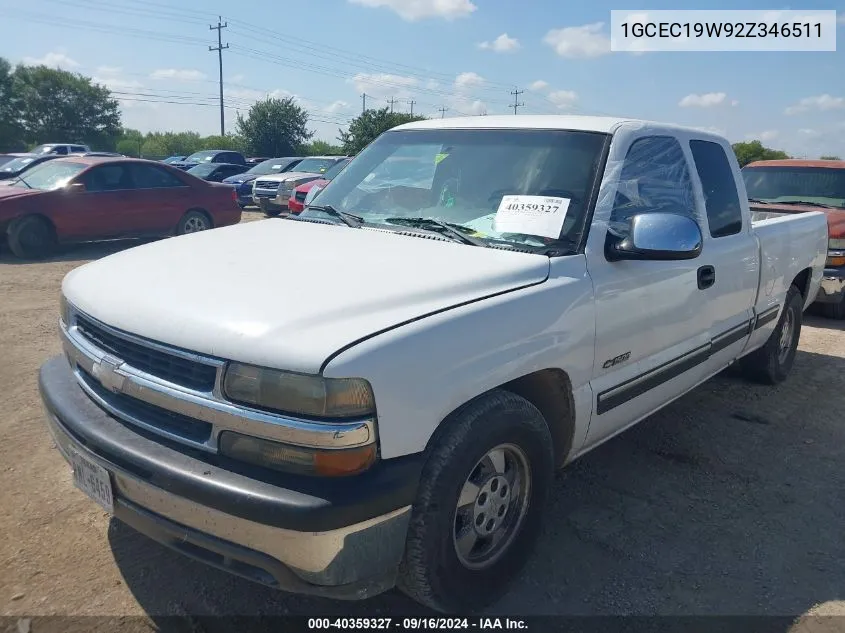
[287, 294]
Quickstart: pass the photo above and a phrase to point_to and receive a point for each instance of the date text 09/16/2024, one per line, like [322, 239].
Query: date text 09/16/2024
[417, 624]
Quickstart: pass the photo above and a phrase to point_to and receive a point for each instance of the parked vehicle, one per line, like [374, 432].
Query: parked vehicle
[62, 149]
[114, 154]
[271, 193]
[255, 160]
[5, 158]
[551, 284]
[216, 172]
[21, 164]
[210, 156]
[173, 159]
[80, 199]
[777, 187]
[243, 182]
[300, 196]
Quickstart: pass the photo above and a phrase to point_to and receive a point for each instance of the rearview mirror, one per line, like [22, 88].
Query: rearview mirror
[657, 236]
[75, 187]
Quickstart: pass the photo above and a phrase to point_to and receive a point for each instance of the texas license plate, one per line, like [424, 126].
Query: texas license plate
[93, 480]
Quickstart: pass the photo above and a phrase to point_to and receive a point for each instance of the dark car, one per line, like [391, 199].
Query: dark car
[254, 160]
[216, 172]
[80, 199]
[243, 182]
[20, 164]
[211, 156]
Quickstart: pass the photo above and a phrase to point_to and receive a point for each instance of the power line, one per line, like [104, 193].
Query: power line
[391, 101]
[516, 103]
[219, 28]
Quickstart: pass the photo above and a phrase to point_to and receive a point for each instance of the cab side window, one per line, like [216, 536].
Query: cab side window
[108, 178]
[721, 200]
[152, 177]
[654, 179]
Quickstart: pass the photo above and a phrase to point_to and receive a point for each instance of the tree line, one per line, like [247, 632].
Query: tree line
[40, 104]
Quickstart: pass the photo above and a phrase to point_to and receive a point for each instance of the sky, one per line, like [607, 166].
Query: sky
[463, 55]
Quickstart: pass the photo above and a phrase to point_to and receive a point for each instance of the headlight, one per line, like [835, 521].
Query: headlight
[313, 396]
[296, 459]
[64, 309]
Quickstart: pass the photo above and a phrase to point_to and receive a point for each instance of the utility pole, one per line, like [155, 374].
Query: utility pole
[391, 101]
[220, 48]
[442, 111]
[516, 103]
[364, 102]
[412, 102]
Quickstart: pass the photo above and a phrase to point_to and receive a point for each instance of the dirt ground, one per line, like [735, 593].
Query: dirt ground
[730, 501]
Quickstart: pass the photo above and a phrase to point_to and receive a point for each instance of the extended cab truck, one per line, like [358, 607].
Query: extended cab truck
[393, 416]
[777, 187]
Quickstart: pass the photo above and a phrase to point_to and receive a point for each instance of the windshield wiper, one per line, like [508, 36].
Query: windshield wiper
[807, 203]
[28, 186]
[458, 232]
[349, 219]
[758, 201]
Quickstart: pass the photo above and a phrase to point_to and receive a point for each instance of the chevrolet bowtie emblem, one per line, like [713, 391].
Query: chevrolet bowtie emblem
[106, 372]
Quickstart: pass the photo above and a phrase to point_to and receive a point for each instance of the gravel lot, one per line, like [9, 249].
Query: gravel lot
[730, 501]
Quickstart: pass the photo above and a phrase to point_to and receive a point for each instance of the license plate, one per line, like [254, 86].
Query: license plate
[93, 480]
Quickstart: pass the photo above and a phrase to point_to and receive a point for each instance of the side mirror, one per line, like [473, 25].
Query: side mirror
[75, 187]
[657, 236]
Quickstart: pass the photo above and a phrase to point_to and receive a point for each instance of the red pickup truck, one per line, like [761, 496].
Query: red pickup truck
[796, 186]
[82, 199]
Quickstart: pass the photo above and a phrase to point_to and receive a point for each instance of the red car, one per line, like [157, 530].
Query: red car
[296, 202]
[81, 199]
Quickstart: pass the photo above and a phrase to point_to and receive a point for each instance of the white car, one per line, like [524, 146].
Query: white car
[272, 192]
[392, 411]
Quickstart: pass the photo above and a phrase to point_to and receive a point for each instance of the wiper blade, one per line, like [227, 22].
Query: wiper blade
[758, 201]
[349, 219]
[457, 232]
[807, 203]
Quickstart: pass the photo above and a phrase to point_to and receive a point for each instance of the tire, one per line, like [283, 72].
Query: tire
[193, 222]
[432, 572]
[771, 364]
[834, 310]
[272, 213]
[32, 237]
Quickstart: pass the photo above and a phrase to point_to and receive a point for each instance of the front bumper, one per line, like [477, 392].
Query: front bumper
[342, 538]
[277, 203]
[832, 289]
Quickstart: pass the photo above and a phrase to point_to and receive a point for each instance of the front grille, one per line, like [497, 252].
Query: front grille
[270, 185]
[151, 415]
[169, 367]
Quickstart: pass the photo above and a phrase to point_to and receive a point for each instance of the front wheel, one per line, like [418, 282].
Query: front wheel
[32, 237]
[771, 363]
[480, 503]
[193, 222]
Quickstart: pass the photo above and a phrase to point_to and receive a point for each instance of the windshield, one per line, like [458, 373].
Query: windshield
[17, 164]
[43, 149]
[316, 165]
[334, 171]
[200, 157]
[821, 185]
[524, 187]
[272, 166]
[173, 159]
[51, 175]
[203, 170]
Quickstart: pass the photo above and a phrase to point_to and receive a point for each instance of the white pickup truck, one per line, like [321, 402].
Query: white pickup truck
[391, 413]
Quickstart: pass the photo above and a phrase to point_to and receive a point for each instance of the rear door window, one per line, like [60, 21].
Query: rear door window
[721, 200]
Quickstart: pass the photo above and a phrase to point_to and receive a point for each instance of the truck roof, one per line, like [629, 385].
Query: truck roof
[604, 124]
[799, 162]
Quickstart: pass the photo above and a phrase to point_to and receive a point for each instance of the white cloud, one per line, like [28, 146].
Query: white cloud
[809, 132]
[734, 103]
[538, 85]
[179, 74]
[113, 82]
[821, 102]
[502, 44]
[468, 81]
[464, 105]
[53, 60]
[236, 79]
[563, 99]
[108, 70]
[706, 100]
[384, 85]
[579, 41]
[412, 10]
[768, 135]
[336, 106]
[431, 84]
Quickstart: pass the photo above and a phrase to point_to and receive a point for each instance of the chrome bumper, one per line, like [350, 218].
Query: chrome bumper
[832, 288]
[353, 562]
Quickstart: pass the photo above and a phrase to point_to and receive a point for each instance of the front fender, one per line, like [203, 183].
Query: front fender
[422, 371]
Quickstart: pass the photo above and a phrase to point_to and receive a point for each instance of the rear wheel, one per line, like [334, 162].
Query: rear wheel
[193, 222]
[480, 503]
[32, 237]
[771, 363]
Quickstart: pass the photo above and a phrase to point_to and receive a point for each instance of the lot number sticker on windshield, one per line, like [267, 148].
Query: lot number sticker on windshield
[531, 215]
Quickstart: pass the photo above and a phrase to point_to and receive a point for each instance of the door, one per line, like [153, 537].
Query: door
[731, 254]
[105, 208]
[652, 322]
[161, 198]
